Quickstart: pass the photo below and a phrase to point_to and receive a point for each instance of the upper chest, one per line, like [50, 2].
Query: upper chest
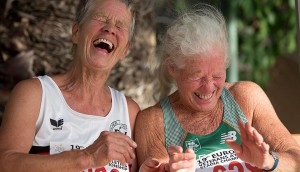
[200, 125]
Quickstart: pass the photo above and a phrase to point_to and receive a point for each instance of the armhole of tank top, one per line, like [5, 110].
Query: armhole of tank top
[42, 104]
[118, 97]
[177, 135]
[115, 94]
[232, 111]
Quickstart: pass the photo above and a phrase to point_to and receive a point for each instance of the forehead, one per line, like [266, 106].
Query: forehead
[114, 9]
[212, 62]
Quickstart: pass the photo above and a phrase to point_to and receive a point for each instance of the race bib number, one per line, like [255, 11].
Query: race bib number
[113, 166]
[224, 160]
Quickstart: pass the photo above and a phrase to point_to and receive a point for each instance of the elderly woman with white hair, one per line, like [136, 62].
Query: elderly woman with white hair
[228, 126]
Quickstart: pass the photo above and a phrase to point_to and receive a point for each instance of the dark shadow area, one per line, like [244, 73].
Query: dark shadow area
[284, 91]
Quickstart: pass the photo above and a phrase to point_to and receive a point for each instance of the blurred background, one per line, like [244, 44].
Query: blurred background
[35, 40]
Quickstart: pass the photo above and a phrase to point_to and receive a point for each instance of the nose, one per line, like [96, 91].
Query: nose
[110, 28]
[207, 82]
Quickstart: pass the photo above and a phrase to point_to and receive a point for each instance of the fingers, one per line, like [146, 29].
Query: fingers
[112, 146]
[122, 137]
[252, 148]
[124, 155]
[244, 135]
[182, 165]
[174, 149]
[189, 151]
[125, 147]
[265, 148]
[120, 145]
[150, 165]
[179, 160]
[234, 145]
[250, 134]
[258, 139]
[176, 154]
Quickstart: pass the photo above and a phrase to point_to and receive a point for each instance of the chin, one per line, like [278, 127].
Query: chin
[207, 106]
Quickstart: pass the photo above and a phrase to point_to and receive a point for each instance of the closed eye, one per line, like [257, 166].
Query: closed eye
[194, 78]
[217, 77]
[100, 17]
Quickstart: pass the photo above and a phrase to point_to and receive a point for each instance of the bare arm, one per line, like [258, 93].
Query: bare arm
[17, 132]
[262, 116]
[133, 109]
[149, 135]
[152, 154]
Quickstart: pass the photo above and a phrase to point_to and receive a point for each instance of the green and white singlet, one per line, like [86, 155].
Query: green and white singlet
[212, 153]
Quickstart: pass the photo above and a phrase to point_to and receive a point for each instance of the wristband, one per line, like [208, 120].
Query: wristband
[274, 155]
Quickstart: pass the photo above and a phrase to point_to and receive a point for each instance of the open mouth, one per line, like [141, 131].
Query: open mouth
[104, 44]
[205, 97]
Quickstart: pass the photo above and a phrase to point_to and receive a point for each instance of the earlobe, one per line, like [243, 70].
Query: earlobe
[75, 28]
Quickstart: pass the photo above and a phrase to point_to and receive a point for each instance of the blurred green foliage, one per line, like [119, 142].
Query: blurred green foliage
[267, 30]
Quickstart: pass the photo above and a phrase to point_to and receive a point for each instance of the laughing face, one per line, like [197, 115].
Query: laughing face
[201, 80]
[103, 37]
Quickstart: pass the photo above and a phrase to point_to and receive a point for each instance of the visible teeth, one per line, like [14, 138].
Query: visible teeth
[204, 96]
[98, 41]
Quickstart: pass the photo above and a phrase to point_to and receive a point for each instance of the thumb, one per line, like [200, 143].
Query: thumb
[150, 165]
[174, 149]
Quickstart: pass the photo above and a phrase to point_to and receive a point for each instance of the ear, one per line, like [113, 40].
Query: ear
[75, 28]
[126, 51]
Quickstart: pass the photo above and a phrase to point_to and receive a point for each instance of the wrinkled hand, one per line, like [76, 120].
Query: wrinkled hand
[152, 165]
[253, 149]
[181, 161]
[111, 146]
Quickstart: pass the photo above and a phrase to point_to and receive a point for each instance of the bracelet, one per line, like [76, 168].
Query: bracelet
[274, 155]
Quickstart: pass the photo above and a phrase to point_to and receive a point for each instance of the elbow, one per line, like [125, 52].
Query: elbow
[5, 158]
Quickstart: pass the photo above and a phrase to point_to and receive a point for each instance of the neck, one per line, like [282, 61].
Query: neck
[201, 123]
[78, 78]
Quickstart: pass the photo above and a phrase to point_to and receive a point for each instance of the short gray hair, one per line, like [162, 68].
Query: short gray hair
[84, 8]
[195, 32]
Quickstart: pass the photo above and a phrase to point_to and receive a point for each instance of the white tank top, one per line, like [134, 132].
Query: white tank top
[59, 128]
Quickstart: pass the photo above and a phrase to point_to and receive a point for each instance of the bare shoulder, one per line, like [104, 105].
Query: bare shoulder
[26, 94]
[244, 88]
[133, 107]
[150, 120]
[28, 89]
[152, 113]
[20, 115]
[249, 96]
[246, 91]
[150, 123]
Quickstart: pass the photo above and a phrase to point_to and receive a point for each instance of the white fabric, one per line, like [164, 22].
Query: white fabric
[73, 130]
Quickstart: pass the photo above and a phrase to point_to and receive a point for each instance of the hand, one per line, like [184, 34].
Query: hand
[152, 165]
[179, 161]
[253, 149]
[111, 146]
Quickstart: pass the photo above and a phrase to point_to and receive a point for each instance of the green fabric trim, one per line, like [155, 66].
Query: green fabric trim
[175, 134]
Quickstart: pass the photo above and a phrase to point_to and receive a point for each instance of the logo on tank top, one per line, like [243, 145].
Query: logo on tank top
[193, 144]
[229, 135]
[57, 124]
[117, 126]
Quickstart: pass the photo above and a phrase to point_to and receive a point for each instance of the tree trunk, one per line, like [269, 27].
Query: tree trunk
[35, 39]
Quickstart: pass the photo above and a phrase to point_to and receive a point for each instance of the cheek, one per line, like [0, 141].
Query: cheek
[188, 87]
[221, 82]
